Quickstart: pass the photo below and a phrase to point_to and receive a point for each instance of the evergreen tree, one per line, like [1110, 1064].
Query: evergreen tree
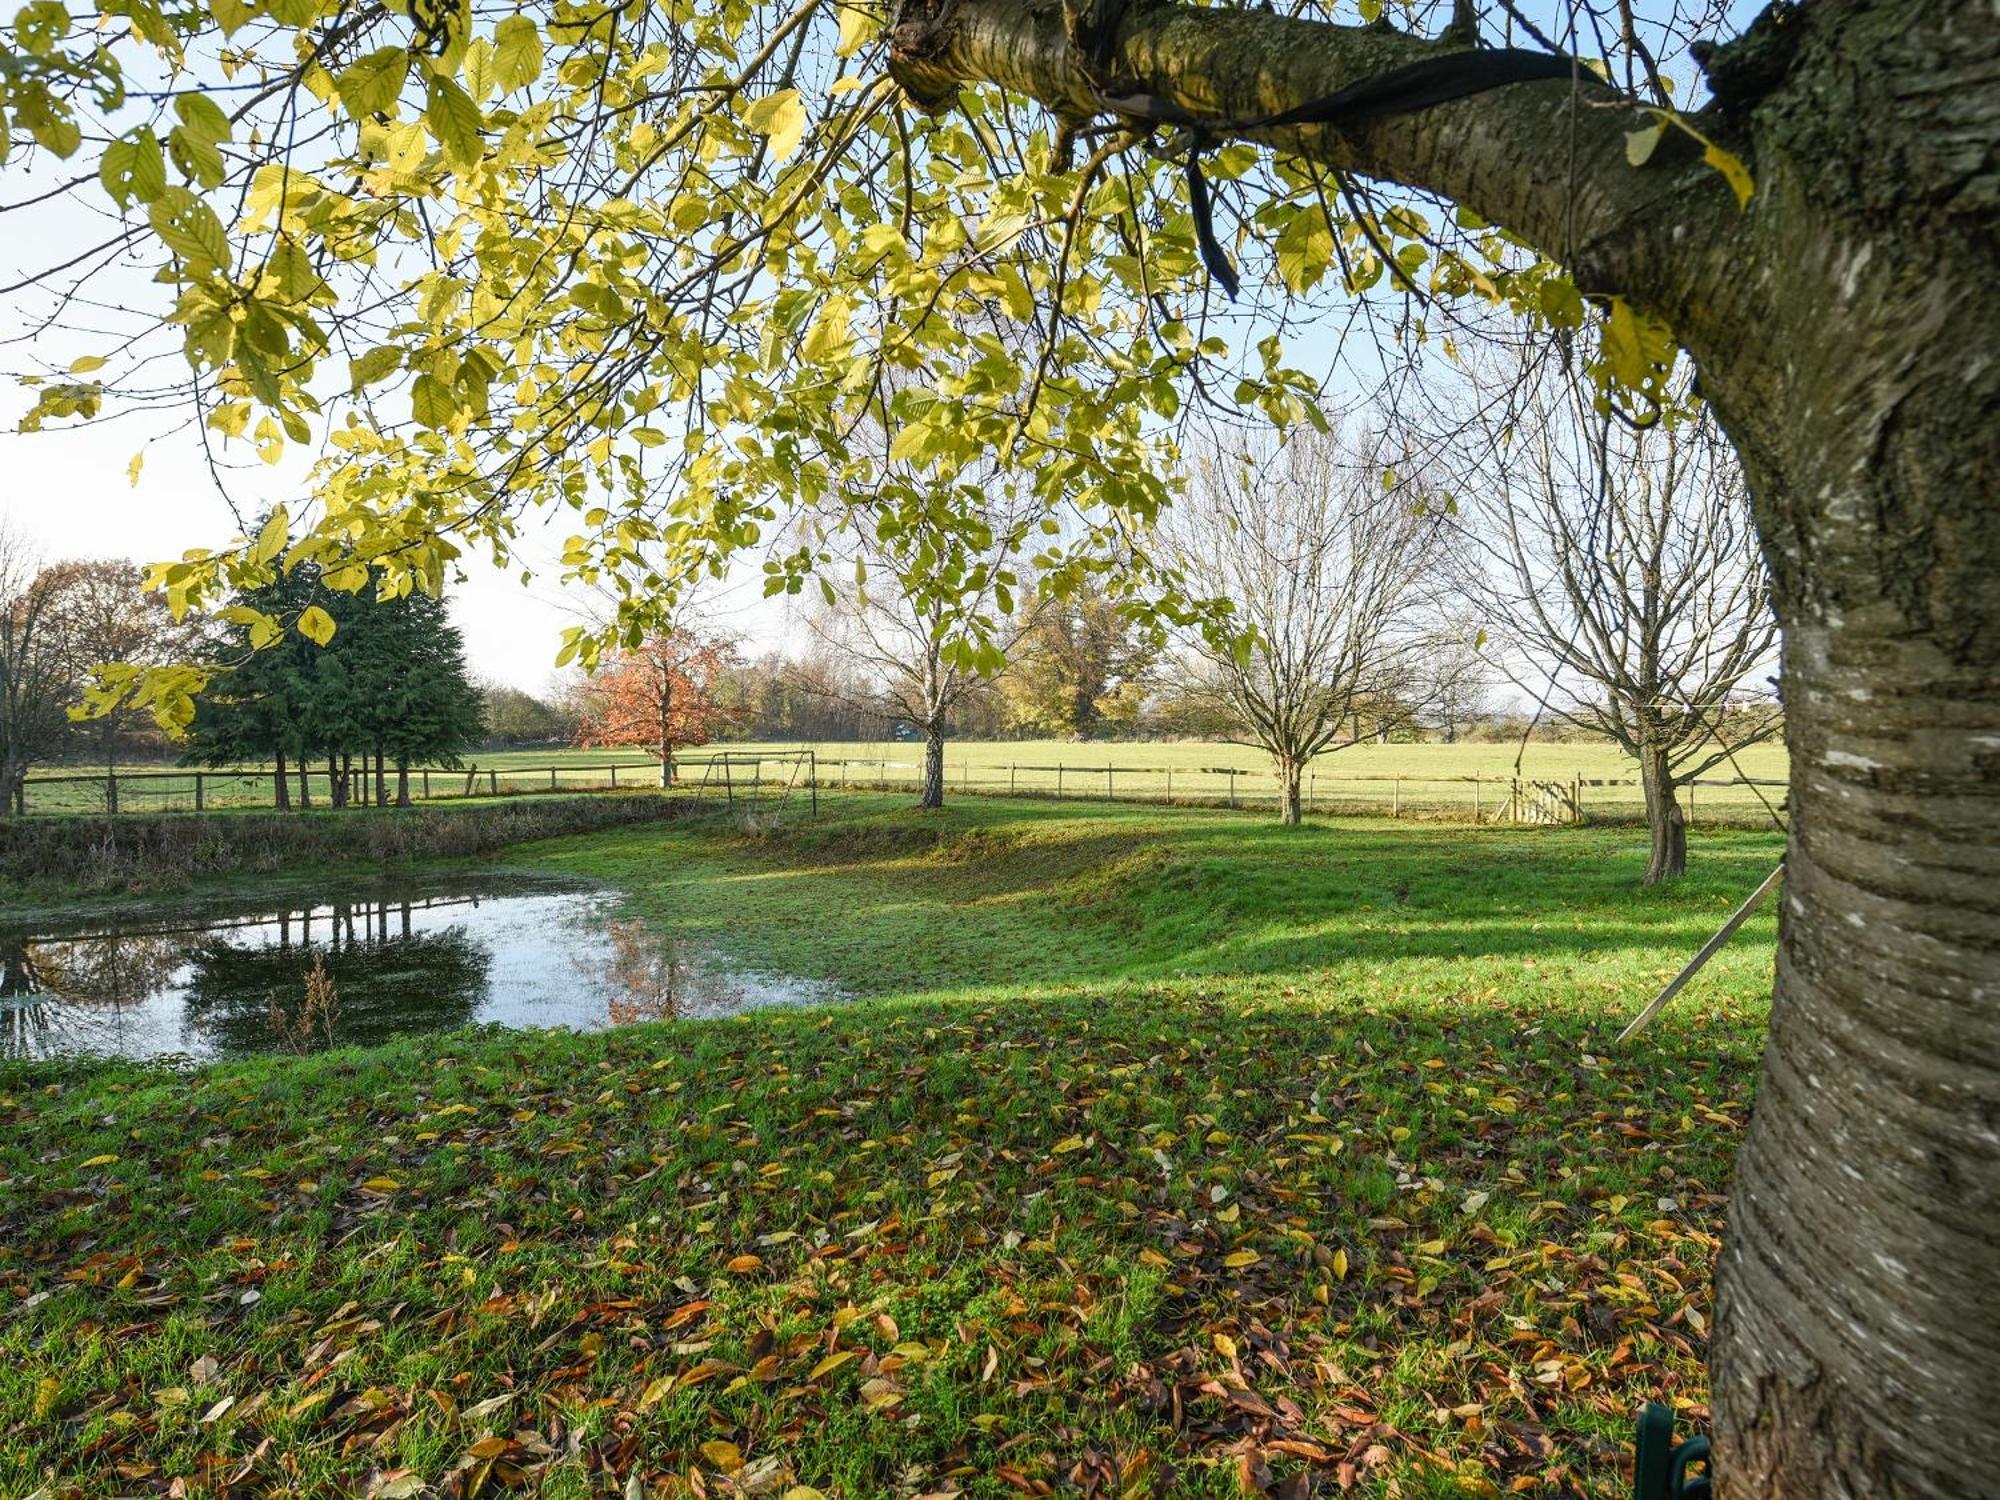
[390, 688]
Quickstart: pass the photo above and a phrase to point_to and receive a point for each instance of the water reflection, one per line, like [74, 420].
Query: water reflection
[203, 985]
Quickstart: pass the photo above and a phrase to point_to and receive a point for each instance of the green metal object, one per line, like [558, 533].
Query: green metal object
[1661, 1472]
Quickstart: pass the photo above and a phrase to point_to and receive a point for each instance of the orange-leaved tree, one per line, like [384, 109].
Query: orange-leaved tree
[659, 695]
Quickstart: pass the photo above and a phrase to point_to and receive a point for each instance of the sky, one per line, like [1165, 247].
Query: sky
[68, 492]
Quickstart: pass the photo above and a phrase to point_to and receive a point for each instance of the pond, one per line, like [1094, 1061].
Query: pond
[209, 983]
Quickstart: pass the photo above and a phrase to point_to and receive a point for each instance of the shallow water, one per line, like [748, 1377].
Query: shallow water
[203, 984]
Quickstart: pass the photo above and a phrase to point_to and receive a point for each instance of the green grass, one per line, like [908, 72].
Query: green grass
[1163, 1148]
[1421, 779]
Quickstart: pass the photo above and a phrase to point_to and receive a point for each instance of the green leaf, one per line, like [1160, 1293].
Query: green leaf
[431, 402]
[202, 117]
[376, 364]
[517, 53]
[188, 227]
[455, 120]
[1640, 144]
[370, 85]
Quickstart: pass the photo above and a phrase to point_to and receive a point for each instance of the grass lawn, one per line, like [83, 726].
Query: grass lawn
[1162, 1153]
[1420, 779]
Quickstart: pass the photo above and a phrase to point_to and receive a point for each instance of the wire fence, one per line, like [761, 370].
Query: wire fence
[1470, 798]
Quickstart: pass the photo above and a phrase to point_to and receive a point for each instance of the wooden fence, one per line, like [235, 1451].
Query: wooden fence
[1473, 797]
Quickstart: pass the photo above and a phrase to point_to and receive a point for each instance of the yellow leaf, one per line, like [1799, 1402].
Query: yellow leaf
[880, 1395]
[1067, 1145]
[1730, 165]
[271, 537]
[1239, 1258]
[832, 1362]
[381, 1184]
[46, 1392]
[1340, 1265]
[857, 24]
[1225, 1345]
[803, 1492]
[316, 625]
[724, 1455]
[781, 119]
[100, 1161]
[132, 469]
[86, 364]
[745, 1263]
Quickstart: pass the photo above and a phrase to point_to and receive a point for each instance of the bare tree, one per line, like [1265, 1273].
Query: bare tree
[1459, 673]
[1619, 567]
[922, 658]
[1329, 571]
[38, 675]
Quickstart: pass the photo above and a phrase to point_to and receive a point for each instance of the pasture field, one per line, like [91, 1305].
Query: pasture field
[1159, 1152]
[1457, 781]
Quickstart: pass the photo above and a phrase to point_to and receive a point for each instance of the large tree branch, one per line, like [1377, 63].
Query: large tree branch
[1545, 160]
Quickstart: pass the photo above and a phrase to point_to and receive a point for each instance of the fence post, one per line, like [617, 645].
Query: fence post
[1232, 787]
[111, 791]
[427, 783]
[552, 778]
[1058, 781]
[614, 776]
[1109, 795]
[1476, 814]
[1010, 779]
[1170, 786]
[1396, 799]
[197, 792]
[493, 782]
[1690, 815]
[1576, 797]
[812, 778]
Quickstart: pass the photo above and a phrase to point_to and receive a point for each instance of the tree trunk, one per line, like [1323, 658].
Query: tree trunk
[1290, 775]
[336, 781]
[1858, 1297]
[402, 783]
[381, 779]
[305, 781]
[281, 786]
[1664, 819]
[933, 765]
[1845, 326]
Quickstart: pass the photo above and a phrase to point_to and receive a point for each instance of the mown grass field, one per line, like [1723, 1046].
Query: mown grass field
[1161, 1152]
[1420, 780]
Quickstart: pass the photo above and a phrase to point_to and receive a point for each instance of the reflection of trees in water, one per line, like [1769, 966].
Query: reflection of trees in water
[643, 979]
[648, 978]
[391, 980]
[71, 994]
[75, 993]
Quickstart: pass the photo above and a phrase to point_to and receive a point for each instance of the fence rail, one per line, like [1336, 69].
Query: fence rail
[1473, 797]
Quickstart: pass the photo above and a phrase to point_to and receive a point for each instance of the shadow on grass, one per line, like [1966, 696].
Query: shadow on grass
[885, 899]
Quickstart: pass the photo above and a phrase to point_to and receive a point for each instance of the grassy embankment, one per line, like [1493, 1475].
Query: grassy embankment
[1171, 1152]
